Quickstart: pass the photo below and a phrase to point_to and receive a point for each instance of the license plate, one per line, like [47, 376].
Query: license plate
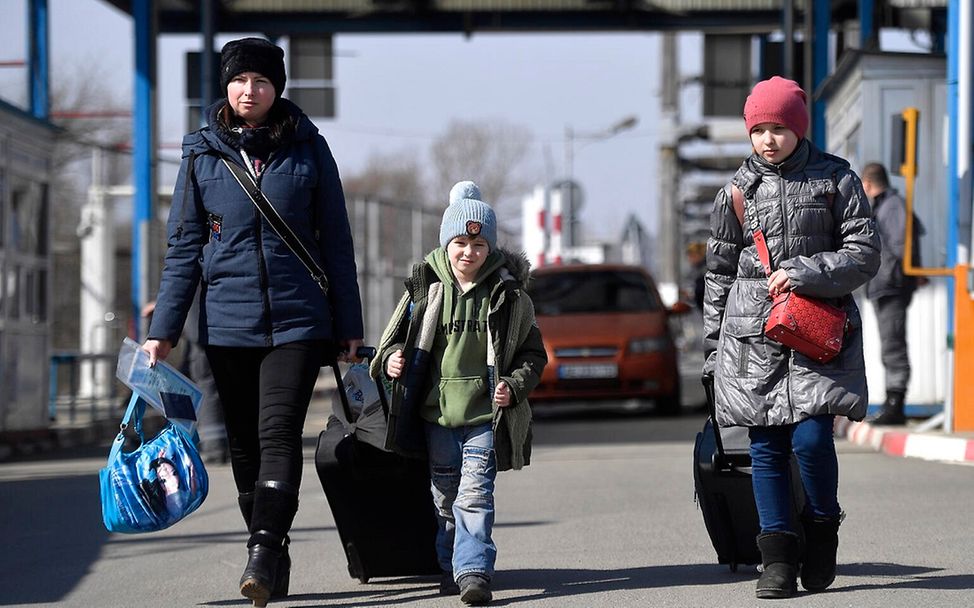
[588, 370]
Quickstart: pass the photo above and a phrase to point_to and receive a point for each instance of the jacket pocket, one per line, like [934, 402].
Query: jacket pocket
[745, 348]
[460, 398]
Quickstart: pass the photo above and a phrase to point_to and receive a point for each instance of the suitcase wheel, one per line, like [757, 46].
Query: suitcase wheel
[355, 569]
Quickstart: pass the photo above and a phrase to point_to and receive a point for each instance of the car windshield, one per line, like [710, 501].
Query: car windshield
[593, 292]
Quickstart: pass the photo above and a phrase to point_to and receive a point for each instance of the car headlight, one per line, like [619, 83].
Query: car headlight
[648, 345]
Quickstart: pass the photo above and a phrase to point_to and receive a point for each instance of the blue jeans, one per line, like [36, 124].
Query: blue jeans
[814, 447]
[463, 468]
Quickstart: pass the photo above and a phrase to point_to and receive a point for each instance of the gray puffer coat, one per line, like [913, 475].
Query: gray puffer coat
[819, 229]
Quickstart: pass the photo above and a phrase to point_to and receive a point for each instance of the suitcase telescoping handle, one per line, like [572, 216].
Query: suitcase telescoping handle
[708, 387]
[368, 353]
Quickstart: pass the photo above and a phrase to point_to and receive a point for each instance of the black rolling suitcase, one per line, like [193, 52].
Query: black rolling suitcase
[722, 480]
[381, 501]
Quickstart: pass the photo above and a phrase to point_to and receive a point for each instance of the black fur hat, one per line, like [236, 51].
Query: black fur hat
[253, 55]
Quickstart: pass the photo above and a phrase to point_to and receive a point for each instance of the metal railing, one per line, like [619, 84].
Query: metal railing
[66, 404]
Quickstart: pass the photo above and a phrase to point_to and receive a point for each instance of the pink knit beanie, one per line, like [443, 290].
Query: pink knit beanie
[777, 100]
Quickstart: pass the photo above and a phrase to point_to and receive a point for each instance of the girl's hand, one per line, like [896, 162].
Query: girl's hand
[502, 394]
[778, 283]
[395, 364]
[157, 349]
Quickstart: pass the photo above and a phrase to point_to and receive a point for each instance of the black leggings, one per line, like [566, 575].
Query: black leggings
[265, 394]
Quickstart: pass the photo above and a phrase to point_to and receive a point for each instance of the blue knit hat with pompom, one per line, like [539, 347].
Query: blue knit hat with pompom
[468, 215]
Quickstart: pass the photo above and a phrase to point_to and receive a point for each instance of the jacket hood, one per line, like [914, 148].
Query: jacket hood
[206, 139]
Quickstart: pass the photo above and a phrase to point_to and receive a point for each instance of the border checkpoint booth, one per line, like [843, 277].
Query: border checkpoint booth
[26, 151]
[864, 95]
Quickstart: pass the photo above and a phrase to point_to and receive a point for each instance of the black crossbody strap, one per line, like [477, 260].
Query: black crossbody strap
[277, 222]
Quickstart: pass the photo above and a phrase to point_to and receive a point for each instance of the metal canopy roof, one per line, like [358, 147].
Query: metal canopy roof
[281, 17]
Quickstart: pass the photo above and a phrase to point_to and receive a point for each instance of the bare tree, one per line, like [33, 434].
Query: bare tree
[493, 154]
[80, 99]
[395, 176]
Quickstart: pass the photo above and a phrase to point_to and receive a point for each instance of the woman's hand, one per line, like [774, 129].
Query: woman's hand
[502, 394]
[395, 364]
[157, 349]
[778, 283]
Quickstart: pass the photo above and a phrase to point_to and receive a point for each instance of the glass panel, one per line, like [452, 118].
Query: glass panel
[43, 217]
[24, 216]
[41, 314]
[3, 208]
[592, 292]
[12, 291]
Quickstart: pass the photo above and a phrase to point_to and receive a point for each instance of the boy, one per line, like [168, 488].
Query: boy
[463, 351]
[822, 243]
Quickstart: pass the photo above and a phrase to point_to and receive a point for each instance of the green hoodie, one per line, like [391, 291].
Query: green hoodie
[459, 389]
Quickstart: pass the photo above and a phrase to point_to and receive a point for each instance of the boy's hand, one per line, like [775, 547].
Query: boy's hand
[395, 364]
[778, 283]
[502, 394]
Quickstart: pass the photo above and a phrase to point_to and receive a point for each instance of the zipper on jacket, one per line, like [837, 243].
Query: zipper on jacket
[262, 272]
[742, 361]
[784, 256]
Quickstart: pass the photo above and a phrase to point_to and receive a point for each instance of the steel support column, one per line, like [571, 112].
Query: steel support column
[143, 169]
[822, 17]
[37, 52]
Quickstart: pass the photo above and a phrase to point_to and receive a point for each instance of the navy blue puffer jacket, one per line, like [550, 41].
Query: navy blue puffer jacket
[255, 291]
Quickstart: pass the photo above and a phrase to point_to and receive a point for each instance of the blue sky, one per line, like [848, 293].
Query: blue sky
[395, 93]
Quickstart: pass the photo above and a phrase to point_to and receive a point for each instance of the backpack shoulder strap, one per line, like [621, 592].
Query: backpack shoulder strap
[738, 197]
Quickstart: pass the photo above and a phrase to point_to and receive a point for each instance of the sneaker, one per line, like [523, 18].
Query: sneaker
[474, 589]
[448, 586]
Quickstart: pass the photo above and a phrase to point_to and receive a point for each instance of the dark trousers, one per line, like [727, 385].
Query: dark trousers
[265, 394]
[891, 318]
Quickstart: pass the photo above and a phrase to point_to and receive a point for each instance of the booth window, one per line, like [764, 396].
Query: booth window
[28, 218]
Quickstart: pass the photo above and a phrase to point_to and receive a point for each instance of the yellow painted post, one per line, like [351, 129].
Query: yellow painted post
[911, 117]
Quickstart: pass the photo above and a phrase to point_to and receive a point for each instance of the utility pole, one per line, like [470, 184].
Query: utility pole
[669, 225]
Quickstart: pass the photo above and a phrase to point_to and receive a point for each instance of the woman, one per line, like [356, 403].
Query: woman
[817, 223]
[265, 323]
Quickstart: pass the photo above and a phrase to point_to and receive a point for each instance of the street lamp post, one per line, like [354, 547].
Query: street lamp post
[568, 186]
[625, 124]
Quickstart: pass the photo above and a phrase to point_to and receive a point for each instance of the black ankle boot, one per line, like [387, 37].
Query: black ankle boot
[283, 577]
[821, 545]
[259, 577]
[268, 568]
[891, 412]
[779, 556]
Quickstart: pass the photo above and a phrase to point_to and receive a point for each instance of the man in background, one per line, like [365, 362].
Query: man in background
[891, 290]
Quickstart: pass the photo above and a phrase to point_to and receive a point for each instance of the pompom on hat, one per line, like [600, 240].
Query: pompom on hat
[468, 215]
[780, 101]
[253, 55]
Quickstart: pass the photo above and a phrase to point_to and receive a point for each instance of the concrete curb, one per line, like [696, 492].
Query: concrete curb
[895, 441]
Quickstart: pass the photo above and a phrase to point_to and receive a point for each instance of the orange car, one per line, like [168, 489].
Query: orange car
[606, 333]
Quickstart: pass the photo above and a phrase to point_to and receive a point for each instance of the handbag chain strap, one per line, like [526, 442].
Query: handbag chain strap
[281, 227]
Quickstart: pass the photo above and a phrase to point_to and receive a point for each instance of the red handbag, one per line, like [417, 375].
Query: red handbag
[808, 325]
